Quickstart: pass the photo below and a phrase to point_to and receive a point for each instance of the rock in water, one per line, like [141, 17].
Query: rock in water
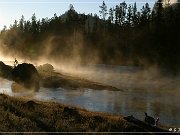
[5, 71]
[26, 75]
[46, 67]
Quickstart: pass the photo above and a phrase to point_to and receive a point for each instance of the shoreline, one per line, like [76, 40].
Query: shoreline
[21, 114]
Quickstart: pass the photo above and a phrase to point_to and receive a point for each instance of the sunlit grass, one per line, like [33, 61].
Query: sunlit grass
[25, 115]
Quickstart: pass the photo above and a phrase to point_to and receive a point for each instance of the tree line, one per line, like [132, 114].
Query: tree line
[121, 35]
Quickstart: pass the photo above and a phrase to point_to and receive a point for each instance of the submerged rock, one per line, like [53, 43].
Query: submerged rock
[26, 75]
[17, 88]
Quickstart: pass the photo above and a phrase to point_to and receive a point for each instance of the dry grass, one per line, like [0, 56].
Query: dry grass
[25, 115]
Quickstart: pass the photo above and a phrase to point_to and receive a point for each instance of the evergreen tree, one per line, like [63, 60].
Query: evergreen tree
[21, 24]
[103, 10]
[27, 26]
[123, 8]
[34, 27]
[15, 25]
[159, 12]
[72, 16]
[145, 14]
[111, 15]
[117, 15]
[135, 15]
[129, 15]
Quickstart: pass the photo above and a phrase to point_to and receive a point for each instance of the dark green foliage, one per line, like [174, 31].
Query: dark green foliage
[129, 37]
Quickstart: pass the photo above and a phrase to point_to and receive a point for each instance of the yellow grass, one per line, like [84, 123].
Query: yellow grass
[24, 115]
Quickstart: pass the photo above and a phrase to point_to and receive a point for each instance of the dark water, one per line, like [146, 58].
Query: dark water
[159, 97]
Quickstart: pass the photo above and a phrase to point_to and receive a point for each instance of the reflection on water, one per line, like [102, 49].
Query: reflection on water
[149, 96]
[5, 86]
[125, 103]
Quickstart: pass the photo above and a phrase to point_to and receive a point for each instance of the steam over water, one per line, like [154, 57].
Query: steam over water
[144, 91]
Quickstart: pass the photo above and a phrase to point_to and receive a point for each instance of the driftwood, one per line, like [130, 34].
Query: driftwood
[144, 125]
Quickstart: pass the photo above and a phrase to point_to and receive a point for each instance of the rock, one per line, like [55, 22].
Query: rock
[26, 75]
[17, 88]
[30, 104]
[5, 71]
[52, 82]
[73, 113]
[70, 111]
[46, 67]
[98, 118]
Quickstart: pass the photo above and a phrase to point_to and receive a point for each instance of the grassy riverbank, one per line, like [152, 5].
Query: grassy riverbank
[24, 115]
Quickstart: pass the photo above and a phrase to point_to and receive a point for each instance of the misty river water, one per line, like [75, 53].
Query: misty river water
[143, 91]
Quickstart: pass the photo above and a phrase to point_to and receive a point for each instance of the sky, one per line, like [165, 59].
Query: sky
[11, 10]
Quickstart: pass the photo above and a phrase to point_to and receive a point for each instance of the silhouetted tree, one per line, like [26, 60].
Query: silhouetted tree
[111, 15]
[117, 14]
[135, 18]
[21, 23]
[129, 15]
[145, 14]
[103, 10]
[123, 7]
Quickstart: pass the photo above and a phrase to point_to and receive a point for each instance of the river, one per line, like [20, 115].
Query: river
[144, 91]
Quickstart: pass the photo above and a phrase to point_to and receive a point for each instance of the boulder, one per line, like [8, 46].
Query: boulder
[46, 67]
[72, 112]
[26, 75]
[5, 71]
[30, 105]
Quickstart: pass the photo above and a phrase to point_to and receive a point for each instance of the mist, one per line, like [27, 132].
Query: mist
[125, 61]
[94, 48]
[76, 60]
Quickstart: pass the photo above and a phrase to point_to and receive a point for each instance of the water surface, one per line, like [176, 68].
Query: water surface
[159, 97]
